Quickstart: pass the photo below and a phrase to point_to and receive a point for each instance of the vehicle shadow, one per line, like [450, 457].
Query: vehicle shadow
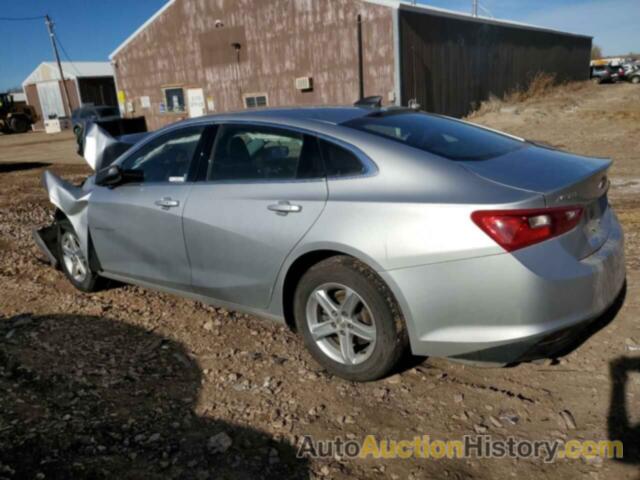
[90, 397]
[7, 167]
[618, 421]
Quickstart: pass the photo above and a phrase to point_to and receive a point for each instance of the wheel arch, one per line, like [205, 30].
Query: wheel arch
[303, 261]
[94, 260]
[73, 202]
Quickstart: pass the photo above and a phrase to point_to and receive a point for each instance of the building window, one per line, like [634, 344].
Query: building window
[258, 100]
[174, 99]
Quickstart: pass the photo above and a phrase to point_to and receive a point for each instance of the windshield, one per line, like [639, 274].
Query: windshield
[442, 136]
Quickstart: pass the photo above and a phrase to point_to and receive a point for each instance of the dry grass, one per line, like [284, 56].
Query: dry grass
[541, 86]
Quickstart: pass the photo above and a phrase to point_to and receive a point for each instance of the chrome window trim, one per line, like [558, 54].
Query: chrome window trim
[371, 168]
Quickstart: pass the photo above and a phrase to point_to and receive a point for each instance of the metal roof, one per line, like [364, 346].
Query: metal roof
[394, 4]
[48, 71]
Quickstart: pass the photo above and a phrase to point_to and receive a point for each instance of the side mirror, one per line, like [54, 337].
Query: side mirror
[113, 176]
[109, 177]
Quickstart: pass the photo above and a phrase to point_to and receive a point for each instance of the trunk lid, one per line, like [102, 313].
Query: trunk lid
[563, 179]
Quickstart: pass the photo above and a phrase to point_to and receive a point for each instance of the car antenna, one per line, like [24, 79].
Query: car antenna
[369, 102]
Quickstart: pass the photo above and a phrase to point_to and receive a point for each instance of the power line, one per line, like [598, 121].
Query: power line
[21, 19]
[66, 55]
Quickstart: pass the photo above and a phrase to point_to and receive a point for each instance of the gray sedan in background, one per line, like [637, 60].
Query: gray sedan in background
[370, 231]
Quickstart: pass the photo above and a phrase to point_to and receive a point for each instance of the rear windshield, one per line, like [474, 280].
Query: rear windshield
[108, 111]
[442, 136]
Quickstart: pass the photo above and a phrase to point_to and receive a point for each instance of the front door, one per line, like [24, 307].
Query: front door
[264, 189]
[137, 228]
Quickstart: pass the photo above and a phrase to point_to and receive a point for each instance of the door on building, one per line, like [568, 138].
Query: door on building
[50, 100]
[195, 102]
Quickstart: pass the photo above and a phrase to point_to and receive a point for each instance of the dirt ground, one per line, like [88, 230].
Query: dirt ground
[138, 384]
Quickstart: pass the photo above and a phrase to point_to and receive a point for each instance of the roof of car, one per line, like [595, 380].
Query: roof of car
[328, 115]
[331, 115]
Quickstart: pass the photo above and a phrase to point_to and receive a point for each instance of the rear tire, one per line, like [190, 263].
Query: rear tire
[19, 124]
[365, 336]
[73, 263]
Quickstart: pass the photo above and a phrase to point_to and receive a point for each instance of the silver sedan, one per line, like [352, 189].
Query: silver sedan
[369, 231]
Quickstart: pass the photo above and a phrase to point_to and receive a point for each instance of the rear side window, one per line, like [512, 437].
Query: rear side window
[339, 162]
[438, 135]
[264, 153]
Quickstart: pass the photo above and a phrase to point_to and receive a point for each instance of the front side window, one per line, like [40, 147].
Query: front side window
[174, 99]
[264, 153]
[166, 158]
[441, 136]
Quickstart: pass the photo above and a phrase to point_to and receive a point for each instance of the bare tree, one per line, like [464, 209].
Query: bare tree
[596, 52]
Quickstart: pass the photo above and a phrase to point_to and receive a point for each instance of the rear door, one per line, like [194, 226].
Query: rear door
[262, 191]
[137, 228]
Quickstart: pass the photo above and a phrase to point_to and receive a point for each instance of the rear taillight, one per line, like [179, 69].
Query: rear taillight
[514, 229]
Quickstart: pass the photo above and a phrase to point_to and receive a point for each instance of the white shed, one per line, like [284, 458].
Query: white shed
[87, 82]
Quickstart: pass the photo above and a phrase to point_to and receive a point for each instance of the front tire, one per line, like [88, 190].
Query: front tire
[73, 262]
[349, 320]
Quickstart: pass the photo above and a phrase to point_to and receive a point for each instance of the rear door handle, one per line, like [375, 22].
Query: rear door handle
[167, 202]
[284, 208]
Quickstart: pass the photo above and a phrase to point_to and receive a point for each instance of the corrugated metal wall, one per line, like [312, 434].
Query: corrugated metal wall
[451, 64]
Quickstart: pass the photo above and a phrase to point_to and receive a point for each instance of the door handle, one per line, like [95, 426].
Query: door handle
[283, 208]
[167, 203]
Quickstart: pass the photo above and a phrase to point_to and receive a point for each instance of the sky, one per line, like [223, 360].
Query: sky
[89, 30]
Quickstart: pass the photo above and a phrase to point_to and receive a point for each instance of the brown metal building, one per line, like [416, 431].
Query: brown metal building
[196, 57]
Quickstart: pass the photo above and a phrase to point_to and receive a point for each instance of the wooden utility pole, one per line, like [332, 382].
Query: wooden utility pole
[52, 36]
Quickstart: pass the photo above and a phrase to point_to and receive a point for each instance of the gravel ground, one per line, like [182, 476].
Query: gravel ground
[138, 384]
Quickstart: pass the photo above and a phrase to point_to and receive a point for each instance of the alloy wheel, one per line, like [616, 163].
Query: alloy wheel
[341, 323]
[74, 260]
